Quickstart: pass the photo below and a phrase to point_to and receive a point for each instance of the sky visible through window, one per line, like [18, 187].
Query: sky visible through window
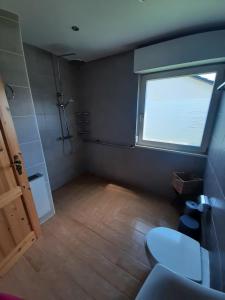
[209, 76]
[176, 109]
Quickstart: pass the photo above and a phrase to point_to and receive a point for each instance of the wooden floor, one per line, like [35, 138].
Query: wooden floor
[94, 248]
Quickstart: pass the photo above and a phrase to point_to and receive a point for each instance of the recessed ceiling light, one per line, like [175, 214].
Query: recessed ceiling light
[75, 28]
[141, 1]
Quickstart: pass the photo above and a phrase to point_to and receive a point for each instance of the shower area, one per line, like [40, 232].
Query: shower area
[62, 103]
[54, 86]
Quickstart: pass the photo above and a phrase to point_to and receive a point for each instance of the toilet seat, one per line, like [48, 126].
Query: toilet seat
[176, 251]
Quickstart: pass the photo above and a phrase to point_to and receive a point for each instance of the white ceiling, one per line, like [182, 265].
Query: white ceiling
[110, 26]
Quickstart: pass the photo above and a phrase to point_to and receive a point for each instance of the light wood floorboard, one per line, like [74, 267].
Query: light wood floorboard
[94, 248]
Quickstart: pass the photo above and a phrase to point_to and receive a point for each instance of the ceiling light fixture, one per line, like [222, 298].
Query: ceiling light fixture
[75, 28]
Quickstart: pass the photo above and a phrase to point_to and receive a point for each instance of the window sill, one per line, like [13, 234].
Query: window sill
[171, 151]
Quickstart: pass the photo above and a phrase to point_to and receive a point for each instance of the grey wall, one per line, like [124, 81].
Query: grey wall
[215, 189]
[13, 71]
[109, 93]
[62, 166]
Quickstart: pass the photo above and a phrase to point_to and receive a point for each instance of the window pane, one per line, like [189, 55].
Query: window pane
[176, 108]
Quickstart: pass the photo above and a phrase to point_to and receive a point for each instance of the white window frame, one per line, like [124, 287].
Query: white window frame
[202, 149]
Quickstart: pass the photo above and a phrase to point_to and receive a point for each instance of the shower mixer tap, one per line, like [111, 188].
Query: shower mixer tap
[62, 105]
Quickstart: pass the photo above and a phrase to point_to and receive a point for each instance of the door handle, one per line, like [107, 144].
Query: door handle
[18, 164]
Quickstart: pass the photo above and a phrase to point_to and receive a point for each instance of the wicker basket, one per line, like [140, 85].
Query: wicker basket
[187, 183]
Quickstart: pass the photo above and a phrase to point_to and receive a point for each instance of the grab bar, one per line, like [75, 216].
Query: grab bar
[109, 144]
[222, 86]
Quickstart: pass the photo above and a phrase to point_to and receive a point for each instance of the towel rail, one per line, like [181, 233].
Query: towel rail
[222, 86]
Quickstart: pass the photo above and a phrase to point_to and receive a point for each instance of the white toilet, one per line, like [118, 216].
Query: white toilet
[179, 253]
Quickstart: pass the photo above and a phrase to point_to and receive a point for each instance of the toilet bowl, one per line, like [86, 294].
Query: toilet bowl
[179, 253]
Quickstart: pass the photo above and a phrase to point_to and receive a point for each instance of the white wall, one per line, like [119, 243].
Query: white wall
[192, 50]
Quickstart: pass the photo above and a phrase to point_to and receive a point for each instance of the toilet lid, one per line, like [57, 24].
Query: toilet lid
[176, 251]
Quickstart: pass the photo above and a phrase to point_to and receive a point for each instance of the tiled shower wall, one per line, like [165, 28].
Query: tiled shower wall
[13, 71]
[215, 189]
[63, 163]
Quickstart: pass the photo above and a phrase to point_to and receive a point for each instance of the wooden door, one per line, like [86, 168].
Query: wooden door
[19, 224]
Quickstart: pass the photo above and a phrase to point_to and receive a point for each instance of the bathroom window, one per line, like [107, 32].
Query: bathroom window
[176, 109]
